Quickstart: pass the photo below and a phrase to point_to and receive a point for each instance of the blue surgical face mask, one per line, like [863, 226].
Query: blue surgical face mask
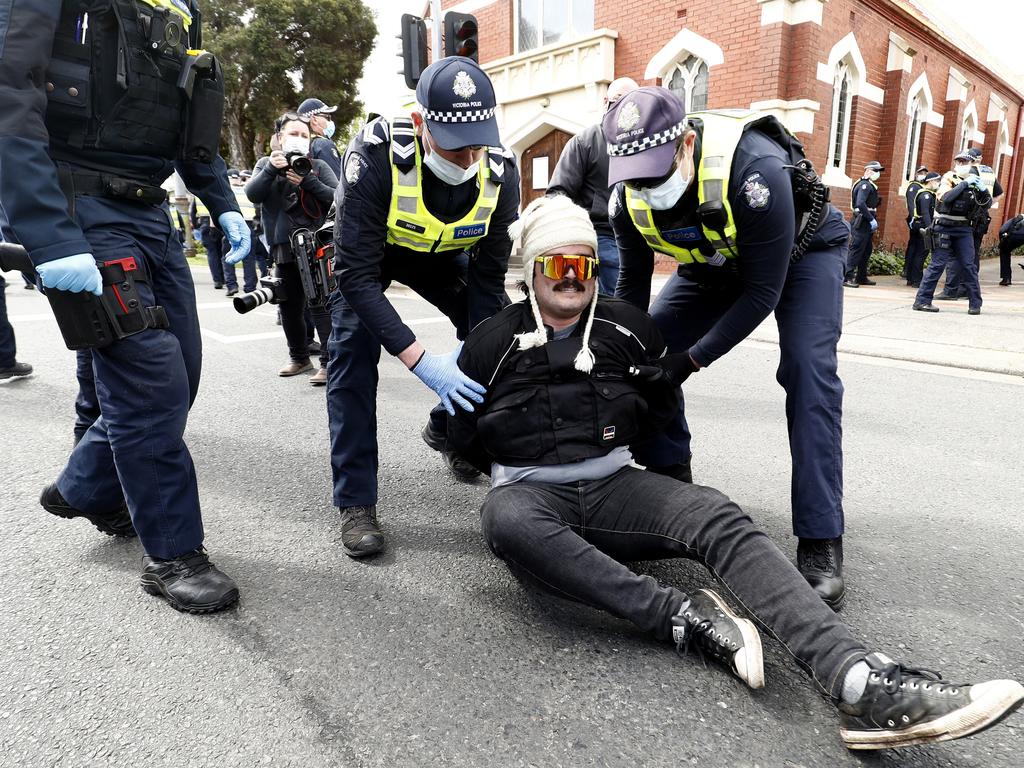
[447, 171]
[329, 129]
[666, 194]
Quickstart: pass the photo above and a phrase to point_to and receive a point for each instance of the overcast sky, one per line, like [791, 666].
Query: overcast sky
[999, 23]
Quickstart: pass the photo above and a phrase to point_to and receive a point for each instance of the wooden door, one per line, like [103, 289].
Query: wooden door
[538, 163]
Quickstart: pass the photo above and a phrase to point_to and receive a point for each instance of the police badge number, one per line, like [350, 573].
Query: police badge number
[756, 192]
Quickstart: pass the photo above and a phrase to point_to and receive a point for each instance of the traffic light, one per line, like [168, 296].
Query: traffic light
[461, 35]
[414, 49]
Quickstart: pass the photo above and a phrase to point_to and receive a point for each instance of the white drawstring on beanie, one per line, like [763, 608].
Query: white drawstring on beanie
[548, 223]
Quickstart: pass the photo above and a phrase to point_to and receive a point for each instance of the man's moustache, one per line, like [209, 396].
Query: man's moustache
[567, 284]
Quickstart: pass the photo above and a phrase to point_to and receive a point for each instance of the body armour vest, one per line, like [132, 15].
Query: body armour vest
[721, 132]
[410, 224]
[966, 205]
[113, 79]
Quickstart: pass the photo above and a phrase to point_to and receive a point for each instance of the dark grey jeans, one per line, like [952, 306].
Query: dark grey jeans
[571, 539]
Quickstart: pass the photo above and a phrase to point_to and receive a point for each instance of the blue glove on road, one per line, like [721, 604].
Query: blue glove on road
[72, 273]
[442, 374]
[237, 232]
[874, 224]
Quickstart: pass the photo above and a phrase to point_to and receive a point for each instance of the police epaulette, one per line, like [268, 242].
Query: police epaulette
[403, 142]
[376, 131]
[496, 157]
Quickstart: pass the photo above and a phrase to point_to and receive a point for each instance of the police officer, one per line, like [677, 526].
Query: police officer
[863, 225]
[249, 263]
[581, 174]
[954, 288]
[713, 192]
[914, 241]
[962, 198]
[212, 240]
[425, 201]
[9, 365]
[1011, 236]
[923, 208]
[322, 128]
[104, 114]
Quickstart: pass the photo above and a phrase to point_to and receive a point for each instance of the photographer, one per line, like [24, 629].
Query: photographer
[296, 192]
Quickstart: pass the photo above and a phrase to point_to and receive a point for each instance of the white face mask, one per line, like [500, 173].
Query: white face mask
[329, 129]
[963, 171]
[666, 194]
[447, 171]
[295, 144]
[874, 175]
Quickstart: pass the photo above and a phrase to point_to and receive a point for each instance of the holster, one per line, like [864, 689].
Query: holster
[857, 220]
[203, 83]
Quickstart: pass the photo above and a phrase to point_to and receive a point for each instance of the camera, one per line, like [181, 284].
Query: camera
[299, 163]
[271, 290]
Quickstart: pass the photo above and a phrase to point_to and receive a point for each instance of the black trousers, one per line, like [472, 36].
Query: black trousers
[1006, 247]
[293, 320]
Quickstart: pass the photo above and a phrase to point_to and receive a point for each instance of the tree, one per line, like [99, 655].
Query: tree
[274, 53]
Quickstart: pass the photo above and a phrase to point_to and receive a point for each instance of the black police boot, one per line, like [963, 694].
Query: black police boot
[360, 534]
[821, 563]
[190, 583]
[461, 469]
[114, 523]
[680, 471]
[926, 308]
[707, 624]
[946, 297]
[866, 281]
[902, 706]
[18, 369]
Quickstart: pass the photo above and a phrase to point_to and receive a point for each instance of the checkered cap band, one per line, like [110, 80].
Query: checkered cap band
[469, 116]
[647, 142]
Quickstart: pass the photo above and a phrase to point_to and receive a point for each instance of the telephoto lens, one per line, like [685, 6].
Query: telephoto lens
[271, 290]
[299, 163]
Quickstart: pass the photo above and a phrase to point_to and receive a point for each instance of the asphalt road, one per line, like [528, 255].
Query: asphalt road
[433, 654]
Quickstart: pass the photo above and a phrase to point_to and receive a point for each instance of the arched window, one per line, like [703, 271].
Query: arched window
[689, 81]
[1002, 144]
[917, 115]
[967, 132]
[842, 106]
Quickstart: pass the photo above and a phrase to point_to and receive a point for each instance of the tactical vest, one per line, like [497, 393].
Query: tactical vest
[410, 224]
[988, 176]
[917, 209]
[112, 83]
[720, 134]
[913, 189]
[965, 205]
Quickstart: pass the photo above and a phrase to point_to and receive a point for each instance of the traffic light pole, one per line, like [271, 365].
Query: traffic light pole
[435, 37]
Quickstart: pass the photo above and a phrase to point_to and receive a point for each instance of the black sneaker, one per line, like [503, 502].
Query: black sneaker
[706, 623]
[231, 291]
[18, 369]
[681, 471]
[360, 534]
[850, 284]
[902, 706]
[820, 562]
[115, 523]
[865, 281]
[460, 468]
[190, 583]
[925, 308]
[974, 311]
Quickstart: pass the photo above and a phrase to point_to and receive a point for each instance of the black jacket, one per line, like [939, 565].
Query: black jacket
[540, 410]
[582, 175]
[285, 207]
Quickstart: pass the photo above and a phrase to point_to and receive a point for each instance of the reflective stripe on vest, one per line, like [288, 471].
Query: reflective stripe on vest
[988, 176]
[412, 226]
[721, 133]
[917, 211]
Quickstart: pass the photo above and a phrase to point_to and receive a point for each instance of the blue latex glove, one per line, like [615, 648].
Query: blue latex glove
[237, 232]
[874, 224]
[442, 374]
[976, 182]
[72, 273]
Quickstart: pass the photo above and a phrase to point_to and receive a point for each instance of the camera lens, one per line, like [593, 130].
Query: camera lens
[301, 164]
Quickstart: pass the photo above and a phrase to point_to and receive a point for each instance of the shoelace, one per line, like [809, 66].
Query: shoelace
[193, 564]
[701, 638]
[896, 676]
[820, 558]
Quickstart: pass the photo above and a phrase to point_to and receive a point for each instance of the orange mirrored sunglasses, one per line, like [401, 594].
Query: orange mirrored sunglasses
[556, 265]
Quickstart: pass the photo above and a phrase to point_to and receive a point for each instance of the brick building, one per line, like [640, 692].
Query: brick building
[855, 80]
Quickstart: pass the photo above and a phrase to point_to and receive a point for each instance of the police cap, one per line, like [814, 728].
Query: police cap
[458, 103]
[975, 153]
[874, 165]
[932, 176]
[922, 169]
[641, 130]
[964, 155]
[311, 107]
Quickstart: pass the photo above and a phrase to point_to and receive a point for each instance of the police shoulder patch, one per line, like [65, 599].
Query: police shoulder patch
[354, 167]
[756, 192]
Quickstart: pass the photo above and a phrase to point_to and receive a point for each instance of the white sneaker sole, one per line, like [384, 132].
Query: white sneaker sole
[749, 659]
[997, 700]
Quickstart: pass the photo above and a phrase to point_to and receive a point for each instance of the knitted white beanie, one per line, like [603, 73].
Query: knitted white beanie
[545, 224]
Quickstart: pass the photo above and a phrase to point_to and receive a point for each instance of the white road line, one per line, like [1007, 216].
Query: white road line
[226, 339]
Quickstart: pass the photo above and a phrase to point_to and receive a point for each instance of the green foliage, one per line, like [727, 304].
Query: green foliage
[266, 47]
[886, 262]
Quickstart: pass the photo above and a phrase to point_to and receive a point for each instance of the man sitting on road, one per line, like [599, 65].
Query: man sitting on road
[572, 379]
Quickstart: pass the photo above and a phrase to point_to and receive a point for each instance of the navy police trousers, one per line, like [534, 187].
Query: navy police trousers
[145, 385]
[954, 248]
[352, 370]
[810, 319]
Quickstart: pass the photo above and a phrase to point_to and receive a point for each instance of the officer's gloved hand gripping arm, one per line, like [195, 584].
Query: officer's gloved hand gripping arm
[33, 210]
